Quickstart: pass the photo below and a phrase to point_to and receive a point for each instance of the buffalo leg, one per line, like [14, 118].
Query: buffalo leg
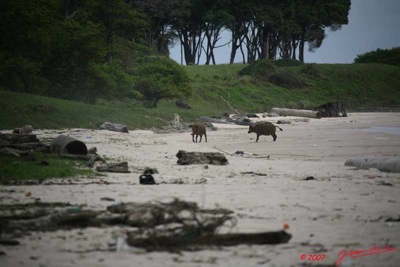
[274, 136]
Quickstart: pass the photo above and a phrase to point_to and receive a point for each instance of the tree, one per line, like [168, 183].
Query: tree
[161, 78]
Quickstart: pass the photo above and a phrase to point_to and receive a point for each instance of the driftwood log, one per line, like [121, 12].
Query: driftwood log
[332, 109]
[27, 129]
[214, 158]
[115, 127]
[27, 154]
[63, 144]
[297, 112]
[162, 226]
[121, 167]
[385, 164]
[19, 138]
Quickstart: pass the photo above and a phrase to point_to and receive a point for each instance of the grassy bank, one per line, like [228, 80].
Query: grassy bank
[360, 86]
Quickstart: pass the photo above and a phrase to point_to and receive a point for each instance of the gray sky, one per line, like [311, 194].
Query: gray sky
[372, 24]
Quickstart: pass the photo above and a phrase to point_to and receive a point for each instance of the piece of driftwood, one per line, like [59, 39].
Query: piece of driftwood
[214, 158]
[63, 144]
[16, 152]
[27, 129]
[244, 154]
[262, 238]
[332, 109]
[115, 127]
[297, 112]
[92, 160]
[24, 146]
[16, 138]
[229, 105]
[385, 164]
[121, 167]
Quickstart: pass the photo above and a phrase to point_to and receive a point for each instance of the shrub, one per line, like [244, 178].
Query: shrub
[287, 62]
[260, 69]
[161, 78]
[311, 70]
[286, 79]
[385, 56]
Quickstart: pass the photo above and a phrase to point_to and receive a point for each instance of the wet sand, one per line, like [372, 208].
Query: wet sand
[343, 208]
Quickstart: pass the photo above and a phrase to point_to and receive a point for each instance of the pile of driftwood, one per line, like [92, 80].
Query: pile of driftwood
[214, 158]
[173, 225]
[23, 144]
[20, 145]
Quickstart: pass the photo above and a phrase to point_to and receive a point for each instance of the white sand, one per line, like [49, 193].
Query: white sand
[339, 210]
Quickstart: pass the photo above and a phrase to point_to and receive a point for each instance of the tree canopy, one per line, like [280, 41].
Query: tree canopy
[91, 49]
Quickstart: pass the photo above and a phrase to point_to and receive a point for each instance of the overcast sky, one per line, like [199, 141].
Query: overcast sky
[372, 24]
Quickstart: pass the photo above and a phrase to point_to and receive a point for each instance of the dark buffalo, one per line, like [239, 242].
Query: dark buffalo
[264, 128]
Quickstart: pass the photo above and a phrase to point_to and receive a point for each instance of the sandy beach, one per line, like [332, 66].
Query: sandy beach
[342, 208]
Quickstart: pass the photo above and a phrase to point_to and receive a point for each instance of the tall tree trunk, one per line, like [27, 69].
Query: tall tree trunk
[301, 47]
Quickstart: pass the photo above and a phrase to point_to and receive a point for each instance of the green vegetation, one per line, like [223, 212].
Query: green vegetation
[385, 56]
[360, 86]
[18, 169]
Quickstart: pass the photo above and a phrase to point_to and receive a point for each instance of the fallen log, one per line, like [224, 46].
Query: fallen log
[16, 138]
[115, 127]
[178, 238]
[214, 158]
[297, 112]
[24, 146]
[63, 144]
[385, 164]
[121, 167]
[16, 152]
[27, 129]
[262, 238]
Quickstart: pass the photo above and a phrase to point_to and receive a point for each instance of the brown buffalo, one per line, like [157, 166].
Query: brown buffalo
[199, 130]
[264, 128]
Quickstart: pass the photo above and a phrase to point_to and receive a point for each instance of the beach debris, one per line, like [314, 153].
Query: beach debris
[252, 116]
[107, 199]
[92, 150]
[9, 242]
[392, 219]
[149, 170]
[121, 167]
[92, 160]
[240, 153]
[26, 154]
[297, 112]
[384, 183]
[146, 179]
[27, 129]
[162, 225]
[214, 158]
[16, 138]
[283, 122]
[115, 127]
[63, 144]
[382, 163]
[332, 109]
[254, 173]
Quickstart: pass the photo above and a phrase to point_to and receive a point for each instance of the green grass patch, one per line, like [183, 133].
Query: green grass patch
[19, 169]
[359, 86]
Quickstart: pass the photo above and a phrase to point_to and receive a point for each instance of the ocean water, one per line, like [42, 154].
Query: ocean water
[387, 130]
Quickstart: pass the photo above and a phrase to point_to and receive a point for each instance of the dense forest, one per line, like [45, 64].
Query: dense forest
[118, 49]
